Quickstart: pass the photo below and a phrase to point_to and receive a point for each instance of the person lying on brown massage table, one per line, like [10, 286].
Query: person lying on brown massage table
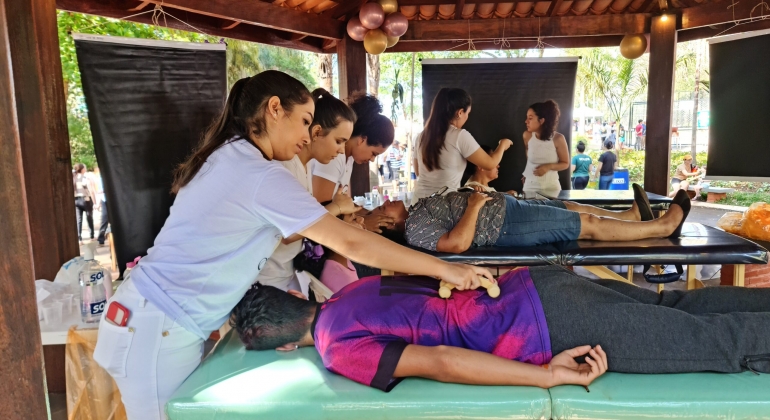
[548, 327]
[460, 220]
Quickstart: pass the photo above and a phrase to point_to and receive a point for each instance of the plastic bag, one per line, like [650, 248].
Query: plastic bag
[756, 223]
[91, 392]
[732, 222]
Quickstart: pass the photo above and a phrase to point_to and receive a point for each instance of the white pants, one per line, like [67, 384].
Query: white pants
[149, 358]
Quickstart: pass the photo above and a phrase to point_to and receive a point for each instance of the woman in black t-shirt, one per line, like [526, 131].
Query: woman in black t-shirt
[608, 162]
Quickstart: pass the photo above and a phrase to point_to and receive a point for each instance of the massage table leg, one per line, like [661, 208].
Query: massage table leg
[605, 273]
[739, 271]
[630, 274]
[692, 282]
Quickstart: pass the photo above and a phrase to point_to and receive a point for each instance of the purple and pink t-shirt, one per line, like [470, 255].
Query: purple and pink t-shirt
[362, 330]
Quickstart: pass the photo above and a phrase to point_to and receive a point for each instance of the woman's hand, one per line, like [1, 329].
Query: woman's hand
[505, 144]
[541, 170]
[344, 202]
[477, 200]
[354, 220]
[566, 370]
[464, 276]
[375, 222]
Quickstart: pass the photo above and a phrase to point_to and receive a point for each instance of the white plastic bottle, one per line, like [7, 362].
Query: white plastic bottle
[93, 291]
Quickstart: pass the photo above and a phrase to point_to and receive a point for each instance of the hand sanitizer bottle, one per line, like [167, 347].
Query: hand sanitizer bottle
[93, 293]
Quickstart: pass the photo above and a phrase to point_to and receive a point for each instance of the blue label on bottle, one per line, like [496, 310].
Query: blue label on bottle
[97, 307]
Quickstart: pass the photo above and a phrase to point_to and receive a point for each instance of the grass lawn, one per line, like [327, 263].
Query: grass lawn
[745, 199]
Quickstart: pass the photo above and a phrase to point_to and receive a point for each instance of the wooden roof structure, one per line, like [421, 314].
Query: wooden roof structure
[435, 25]
[38, 231]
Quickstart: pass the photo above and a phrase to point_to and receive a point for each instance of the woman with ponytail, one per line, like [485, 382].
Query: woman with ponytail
[234, 203]
[547, 151]
[443, 148]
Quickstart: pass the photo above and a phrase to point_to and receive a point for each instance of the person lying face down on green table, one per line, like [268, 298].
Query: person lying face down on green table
[547, 327]
[460, 220]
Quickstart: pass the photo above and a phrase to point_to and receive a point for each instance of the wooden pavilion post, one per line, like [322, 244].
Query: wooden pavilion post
[351, 59]
[22, 384]
[660, 104]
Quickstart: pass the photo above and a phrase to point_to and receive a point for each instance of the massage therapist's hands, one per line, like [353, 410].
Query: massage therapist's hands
[343, 203]
[354, 220]
[464, 276]
[375, 222]
[505, 144]
[566, 371]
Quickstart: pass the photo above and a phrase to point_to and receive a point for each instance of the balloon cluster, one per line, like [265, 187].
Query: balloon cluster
[379, 25]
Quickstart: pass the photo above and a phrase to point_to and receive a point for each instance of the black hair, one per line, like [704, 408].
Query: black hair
[243, 115]
[609, 144]
[549, 111]
[471, 168]
[329, 111]
[267, 318]
[377, 128]
[446, 104]
[581, 147]
[79, 167]
[640, 121]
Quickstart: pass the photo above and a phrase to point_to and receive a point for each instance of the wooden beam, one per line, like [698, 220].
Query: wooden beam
[723, 29]
[554, 7]
[561, 42]
[351, 59]
[646, 7]
[719, 12]
[438, 2]
[262, 14]
[344, 9]
[211, 26]
[612, 24]
[42, 121]
[22, 390]
[459, 6]
[660, 104]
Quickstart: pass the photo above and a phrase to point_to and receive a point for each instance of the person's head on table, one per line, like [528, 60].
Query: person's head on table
[477, 174]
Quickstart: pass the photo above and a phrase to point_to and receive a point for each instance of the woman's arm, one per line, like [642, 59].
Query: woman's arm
[562, 151]
[323, 189]
[487, 162]
[374, 250]
[599, 167]
[463, 366]
[460, 238]
[415, 167]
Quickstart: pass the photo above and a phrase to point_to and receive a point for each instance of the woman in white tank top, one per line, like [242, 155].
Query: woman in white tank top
[547, 151]
[443, 149]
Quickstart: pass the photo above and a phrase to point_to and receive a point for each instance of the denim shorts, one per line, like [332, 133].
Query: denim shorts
[537, 222]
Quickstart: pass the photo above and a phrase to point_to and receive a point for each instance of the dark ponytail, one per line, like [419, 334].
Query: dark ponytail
[242, 116]
[549, 111]
[444, 109]
[376, 127]
[330, 111]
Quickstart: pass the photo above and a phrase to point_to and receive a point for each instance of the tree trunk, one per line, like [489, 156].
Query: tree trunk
[373, 70]
[694, 141]
[326, 72]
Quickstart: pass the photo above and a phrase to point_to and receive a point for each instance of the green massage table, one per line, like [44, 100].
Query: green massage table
[233, 383]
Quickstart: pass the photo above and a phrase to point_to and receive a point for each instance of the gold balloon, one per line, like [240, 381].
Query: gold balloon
[392, 40]
[633, 46]
[375, 41]
[388, 6]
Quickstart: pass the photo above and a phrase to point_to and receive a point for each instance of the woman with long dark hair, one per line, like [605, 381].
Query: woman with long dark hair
[547, 151]
[234, 203]
[443, 149]
[329, 132]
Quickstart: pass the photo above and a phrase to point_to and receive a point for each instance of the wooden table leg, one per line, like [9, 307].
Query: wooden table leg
[630, 274]
[692, 282]
[605, 273]
[739, 273]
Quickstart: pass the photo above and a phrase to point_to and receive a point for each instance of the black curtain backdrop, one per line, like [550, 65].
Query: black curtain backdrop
[502, 91]
[149, 103]
[739, 142]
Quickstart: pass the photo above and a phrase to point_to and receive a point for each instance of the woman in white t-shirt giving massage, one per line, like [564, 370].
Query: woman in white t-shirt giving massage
[234, 203]
[443, 149]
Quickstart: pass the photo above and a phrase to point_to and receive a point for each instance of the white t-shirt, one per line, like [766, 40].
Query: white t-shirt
[279, 269]
[337, 171]
[459, 144]
[223, 227]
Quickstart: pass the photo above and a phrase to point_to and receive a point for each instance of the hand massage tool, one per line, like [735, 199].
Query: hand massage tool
[493, 290]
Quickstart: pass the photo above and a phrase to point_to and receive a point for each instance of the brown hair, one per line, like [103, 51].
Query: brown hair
[242, 117]
[330, 111]
[377, 128]
[444, 108]
[549, 111]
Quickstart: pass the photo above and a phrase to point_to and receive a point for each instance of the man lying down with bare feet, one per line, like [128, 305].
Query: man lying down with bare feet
[457, 221]
[548, 327]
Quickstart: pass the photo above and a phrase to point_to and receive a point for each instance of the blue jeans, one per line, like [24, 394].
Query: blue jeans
[579, 182]
[605, 181]
[537, 222]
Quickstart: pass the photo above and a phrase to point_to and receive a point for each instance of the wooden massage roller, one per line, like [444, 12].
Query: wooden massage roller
[493, 290]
